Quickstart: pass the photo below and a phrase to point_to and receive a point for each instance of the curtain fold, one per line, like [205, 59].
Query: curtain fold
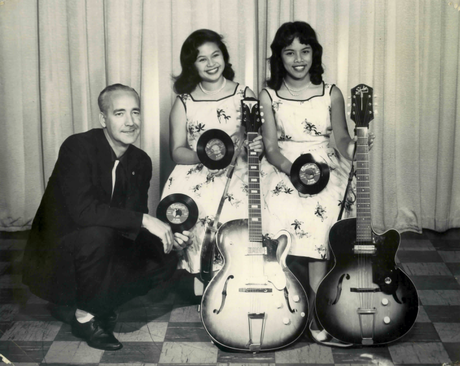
[56, 56]
[21, 155]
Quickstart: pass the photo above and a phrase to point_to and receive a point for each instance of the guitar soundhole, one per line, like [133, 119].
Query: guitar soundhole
[286, 296]
[339, 288]
[224, 295]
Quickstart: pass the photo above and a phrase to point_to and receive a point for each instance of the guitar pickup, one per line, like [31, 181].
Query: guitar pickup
[256, 251]
[364, 249]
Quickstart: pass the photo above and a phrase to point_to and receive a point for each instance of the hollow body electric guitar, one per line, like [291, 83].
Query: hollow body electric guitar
[254, 303]
[365, 299]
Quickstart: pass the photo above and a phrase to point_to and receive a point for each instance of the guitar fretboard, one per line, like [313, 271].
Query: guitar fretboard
[363, 194]
[255, 211]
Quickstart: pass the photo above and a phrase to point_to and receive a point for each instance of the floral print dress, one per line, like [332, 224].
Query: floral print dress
[305, 127]
[206, 186]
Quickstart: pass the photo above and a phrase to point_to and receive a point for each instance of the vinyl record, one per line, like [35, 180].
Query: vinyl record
[215, 149]
[308, 175]
[179, 211]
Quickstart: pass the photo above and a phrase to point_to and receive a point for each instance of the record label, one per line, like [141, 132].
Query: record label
[308, 175]
[179, 211]
[215, 149]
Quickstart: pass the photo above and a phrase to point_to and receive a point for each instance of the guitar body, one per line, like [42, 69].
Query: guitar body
[365, 299]
[254, 303]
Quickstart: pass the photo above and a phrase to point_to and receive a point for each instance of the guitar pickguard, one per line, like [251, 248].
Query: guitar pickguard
[273, 269]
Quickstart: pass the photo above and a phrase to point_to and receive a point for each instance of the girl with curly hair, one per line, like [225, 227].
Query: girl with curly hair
[208, 98]
[301, 112]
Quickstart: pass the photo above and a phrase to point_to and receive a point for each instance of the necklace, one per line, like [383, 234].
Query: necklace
[296, 92]
[211, 92]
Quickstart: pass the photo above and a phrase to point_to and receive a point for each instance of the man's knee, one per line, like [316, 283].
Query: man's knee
[96, 242]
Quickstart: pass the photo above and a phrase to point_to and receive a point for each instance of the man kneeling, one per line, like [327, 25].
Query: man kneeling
[93, 244]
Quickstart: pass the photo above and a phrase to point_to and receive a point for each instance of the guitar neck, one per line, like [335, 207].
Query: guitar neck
[363, 194]
[254, 206]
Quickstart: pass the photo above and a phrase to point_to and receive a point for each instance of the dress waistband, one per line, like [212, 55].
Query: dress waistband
[293, 149]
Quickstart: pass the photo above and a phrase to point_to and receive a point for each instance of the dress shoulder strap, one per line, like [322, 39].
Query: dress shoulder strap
[328, 88]
[184, 98]
[240, 91]
[272, 94]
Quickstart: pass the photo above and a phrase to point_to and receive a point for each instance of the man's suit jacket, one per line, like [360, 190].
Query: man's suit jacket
[78, 195]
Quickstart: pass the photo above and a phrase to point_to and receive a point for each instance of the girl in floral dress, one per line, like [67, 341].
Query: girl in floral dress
[207, 99]
[301, 112]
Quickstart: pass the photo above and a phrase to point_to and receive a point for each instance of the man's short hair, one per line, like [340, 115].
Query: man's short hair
[102, 99]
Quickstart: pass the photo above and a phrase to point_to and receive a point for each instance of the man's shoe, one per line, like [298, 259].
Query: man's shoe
[108, 321]
[96, 336]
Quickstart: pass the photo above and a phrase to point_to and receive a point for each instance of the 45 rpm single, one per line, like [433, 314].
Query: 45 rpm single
[308, 175]
[179, 211]
[215, 149]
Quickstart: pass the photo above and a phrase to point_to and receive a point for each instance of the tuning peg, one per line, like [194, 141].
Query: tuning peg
[376, 112]
[262, 120]
[261, 114]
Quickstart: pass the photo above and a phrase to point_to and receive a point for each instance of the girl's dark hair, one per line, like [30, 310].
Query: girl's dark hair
[283, 38]
[189, 78]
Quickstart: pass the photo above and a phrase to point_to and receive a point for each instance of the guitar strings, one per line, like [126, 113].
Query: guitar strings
[364, 170]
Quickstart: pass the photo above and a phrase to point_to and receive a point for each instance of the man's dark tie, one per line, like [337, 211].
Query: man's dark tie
[119, 191]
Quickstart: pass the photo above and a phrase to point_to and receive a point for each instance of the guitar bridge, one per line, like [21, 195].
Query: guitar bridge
[262, 290]
[363, 289]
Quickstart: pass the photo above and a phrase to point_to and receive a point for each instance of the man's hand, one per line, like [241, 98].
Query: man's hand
[160, 229]
[182, 240]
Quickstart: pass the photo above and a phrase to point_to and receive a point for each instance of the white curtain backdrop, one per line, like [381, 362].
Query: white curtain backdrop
[56, 56]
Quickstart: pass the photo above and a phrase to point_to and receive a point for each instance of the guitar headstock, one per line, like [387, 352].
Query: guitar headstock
[362, 107]
[251, 116]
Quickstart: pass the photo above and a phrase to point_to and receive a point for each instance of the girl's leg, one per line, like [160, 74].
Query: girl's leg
[309, 272]
[317, 269]
[299, 268]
